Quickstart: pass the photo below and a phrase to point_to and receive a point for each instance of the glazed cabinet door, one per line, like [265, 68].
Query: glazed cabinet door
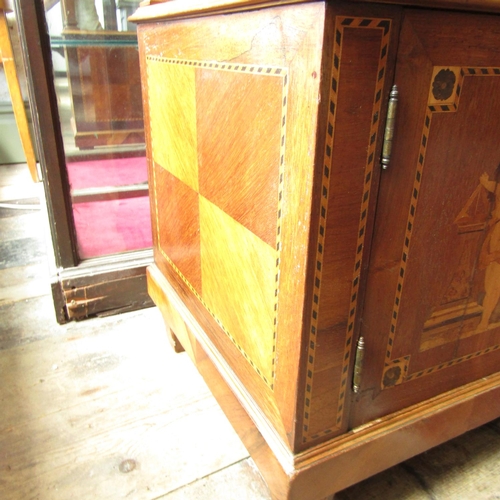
[431, 321]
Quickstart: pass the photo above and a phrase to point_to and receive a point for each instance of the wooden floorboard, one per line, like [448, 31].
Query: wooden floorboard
[13, 283]
[15, 253]
[15, 174]
[101, 408]
[109, 412]
[104, 409]
[20, 224]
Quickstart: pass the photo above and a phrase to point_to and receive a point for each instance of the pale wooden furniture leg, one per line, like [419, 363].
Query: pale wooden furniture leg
[7, 58]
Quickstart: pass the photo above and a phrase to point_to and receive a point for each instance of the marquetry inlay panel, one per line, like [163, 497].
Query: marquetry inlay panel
[458, 315]
[218, 144]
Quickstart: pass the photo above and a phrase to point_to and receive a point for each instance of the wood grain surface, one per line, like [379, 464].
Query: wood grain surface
[247, 149]
[360, 80]
[425, 324]
[154, 9]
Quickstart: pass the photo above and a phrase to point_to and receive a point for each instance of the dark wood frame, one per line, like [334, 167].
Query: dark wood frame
[109, 284]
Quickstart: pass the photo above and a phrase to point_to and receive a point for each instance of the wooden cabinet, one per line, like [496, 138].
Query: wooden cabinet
[283, 251]
[103, 72]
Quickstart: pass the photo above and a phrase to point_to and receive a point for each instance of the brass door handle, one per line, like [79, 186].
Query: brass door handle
[389, 127]
[358, 365]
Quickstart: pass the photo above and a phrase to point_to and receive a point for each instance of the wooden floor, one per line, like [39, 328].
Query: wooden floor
[103, 409]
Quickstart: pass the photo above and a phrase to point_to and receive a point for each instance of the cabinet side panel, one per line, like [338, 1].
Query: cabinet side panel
[233, 129]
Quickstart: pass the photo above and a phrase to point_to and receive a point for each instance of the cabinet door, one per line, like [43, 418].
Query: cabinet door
[432, 315]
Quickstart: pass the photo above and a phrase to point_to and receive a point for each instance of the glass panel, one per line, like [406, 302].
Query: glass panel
[97, 80]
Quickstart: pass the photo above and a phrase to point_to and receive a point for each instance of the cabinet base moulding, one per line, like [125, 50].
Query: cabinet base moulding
[327, 468]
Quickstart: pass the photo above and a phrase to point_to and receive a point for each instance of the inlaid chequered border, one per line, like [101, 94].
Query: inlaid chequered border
[221, 66]
[341, 24]
[280, 203]
[257, 70]
[448, 364]
[431, 109]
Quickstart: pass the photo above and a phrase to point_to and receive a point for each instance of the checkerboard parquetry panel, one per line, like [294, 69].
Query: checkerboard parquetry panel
[232, 177]
[180, 232]
[218, 139]
[173, 120]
